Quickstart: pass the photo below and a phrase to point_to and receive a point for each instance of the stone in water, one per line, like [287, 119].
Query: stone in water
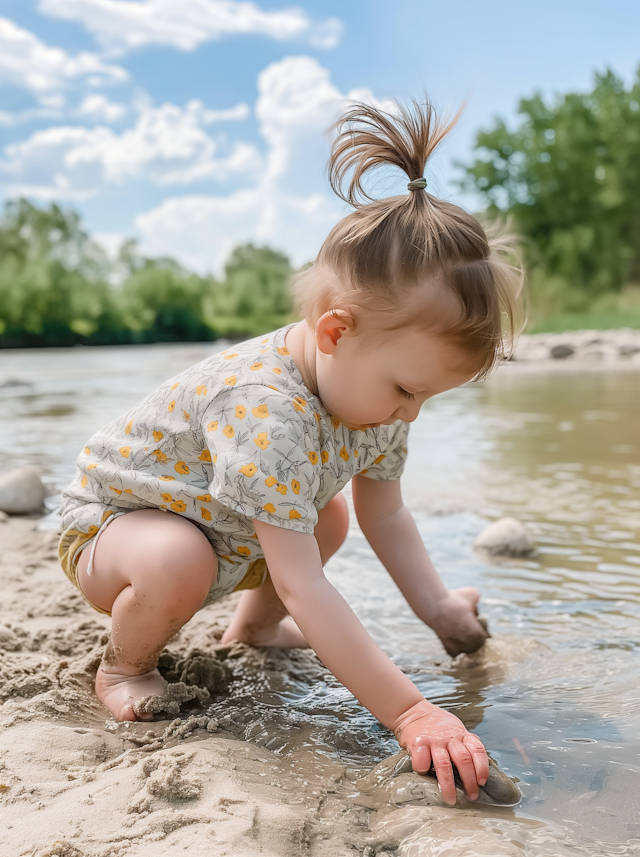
[505, 537]
[21, 491]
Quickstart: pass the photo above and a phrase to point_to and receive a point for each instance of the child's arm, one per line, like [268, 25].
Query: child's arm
[392, 533]
[343, 645]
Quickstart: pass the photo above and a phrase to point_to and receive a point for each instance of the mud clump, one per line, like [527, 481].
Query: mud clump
[195, 677]
[171, 701]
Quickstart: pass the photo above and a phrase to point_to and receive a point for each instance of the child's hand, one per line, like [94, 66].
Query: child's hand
[431, 734]
[455, 620]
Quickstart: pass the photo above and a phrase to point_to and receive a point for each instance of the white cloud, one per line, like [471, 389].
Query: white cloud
[290, 207]
[27, 62]
[123, 25]
[99, 108]
[167, 145]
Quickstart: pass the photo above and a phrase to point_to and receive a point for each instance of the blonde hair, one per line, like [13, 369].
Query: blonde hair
[385, 249]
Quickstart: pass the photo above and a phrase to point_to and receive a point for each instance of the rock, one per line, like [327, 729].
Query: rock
[3, 517]
[21, 491]
[505, 537]
[562, 351]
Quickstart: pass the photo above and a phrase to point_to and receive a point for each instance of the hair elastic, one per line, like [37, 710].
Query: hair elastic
[417, 184]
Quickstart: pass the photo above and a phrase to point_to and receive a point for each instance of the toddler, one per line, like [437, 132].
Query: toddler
[228, 477]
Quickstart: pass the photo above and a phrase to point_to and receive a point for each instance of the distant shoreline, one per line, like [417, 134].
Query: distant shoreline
[577, 351]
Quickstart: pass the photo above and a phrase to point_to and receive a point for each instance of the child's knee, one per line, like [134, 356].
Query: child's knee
[333, 523]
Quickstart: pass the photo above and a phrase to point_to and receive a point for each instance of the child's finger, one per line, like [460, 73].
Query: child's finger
[420, 758]
[479, 756]
[462, 759]
[444, 773]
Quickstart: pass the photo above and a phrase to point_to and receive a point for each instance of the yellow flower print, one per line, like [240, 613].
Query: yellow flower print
[228, 431]
[157, 436]
[344, 454]
[161, 458]
[181, 467]
[125, 451]
[204, 498]
[295, 486]
[213, 425]
[269, 507]
[355, 452]
[282, 489]
[293, 514]
[115, 489]
[248, 469]
[83, 481]
[230, 381]
[324, 455]
[229, 356]
[362, 472]
[262, 440]
[241, 412]
[283, 350]
[262, 341]
[270, 481]
[87, 451]
[179, 506]
[186, 416]
[313, 457]
[205, 514]
[176, 385]
[277, 370]
[171, 407]
[91, 466]
[378, 459]
[335, 422]
[201, 390]
[271, 387]
[317, 416]
[261, 412]
[167, 498]
[205, 455]
[256, 366]
[168, 478]
[128, 427]
[243, 551]
[127, 491]
[299, 404]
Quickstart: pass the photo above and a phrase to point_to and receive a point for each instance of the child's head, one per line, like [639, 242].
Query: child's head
[407, 292]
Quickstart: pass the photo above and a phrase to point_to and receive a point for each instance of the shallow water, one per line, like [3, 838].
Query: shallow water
[556, 697]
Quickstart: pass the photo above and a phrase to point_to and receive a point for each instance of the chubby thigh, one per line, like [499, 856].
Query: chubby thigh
[165, 559]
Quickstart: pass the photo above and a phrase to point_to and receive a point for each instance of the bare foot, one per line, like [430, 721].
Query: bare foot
[285, 635]
[119, 692]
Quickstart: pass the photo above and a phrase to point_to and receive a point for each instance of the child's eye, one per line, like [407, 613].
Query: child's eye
[406, 395]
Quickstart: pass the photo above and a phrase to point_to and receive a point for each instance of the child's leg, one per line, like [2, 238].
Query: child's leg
[152, 570]
[261, 619]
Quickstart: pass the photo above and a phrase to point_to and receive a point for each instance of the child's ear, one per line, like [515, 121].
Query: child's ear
[331, 327]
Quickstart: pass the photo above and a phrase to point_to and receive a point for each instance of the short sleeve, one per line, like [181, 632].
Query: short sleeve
[388, 464]
[264, 462]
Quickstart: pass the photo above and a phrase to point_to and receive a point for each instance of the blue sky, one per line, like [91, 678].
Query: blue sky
[194, 125]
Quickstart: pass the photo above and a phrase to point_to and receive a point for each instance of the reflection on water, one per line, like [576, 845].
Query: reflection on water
[556, 697]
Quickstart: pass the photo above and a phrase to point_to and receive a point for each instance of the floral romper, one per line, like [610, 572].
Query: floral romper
[234, 438]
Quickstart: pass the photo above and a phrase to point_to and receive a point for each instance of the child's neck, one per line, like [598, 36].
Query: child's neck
[301, 344]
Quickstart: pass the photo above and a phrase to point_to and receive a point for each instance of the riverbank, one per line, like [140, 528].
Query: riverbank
[577, 351]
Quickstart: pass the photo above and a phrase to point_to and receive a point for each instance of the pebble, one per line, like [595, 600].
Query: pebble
[21, 491]
[505, 537]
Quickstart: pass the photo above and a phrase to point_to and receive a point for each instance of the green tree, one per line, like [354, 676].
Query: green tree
[568, 176]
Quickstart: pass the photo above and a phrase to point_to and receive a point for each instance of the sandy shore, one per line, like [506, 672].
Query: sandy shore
[577, 351]
[74, 783]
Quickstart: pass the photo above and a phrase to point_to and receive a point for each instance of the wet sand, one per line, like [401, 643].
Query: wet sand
[74, 783]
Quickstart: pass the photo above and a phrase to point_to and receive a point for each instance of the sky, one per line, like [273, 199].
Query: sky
[196, 125]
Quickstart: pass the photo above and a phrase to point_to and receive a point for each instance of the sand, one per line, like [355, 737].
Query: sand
[74, 783]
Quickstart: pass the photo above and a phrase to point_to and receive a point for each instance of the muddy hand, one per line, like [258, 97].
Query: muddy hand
[455, 620]
[431, 734]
